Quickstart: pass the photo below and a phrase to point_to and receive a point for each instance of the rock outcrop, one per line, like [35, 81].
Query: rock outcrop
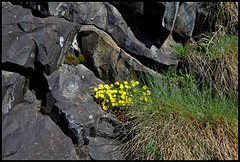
[108, 60]
[48, 108]
[30, 38]
[107, 17]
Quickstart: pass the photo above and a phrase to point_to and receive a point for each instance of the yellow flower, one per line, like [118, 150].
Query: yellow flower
[105, 108]
[95, 89]
[113, 100]
[97, 95]
[125, 82]
[106, 86]
[101, 96]
[144, 93]
[144, 87]
[121, 86]
[111, 85]
[100, 86]
[121, 91]
[146, 99]
[148, 92]
[117, 83]
[134, 90]
[132, 81]
[128, 87]
[141, 98]
[123, 96]
[115, 104]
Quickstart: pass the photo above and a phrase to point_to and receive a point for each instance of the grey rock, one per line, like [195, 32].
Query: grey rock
[100, 148]
[186, 18]
[28, 135]
[170, 15]
[109, 61]
[110, 128]
[181, 18]
[107, 18]
[24, 38]
[72, 88]
[12, 90]
[30, 98]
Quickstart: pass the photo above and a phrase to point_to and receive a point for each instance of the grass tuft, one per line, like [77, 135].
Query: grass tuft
[213, 58]
[183, 122]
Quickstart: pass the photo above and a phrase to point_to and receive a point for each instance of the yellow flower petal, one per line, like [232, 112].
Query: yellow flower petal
[125, 82]
[106, 86]
[121, 86]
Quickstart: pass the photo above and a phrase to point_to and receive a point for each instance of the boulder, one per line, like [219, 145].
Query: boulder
[29, 135]
[24, 38]
[108, 18]
[108, 60]
[73, 108]
[12, 90]
[181, 17]
[185, 21]
[72, 89]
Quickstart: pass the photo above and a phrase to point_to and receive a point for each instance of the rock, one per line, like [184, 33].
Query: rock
[109, 127]
[186, 18]
[109, 61]
[182, 17]
[142, 18]
[107, 18]
[12, 90]
[28, 34]
[30, 98]
[28, 135]
[100, 148]
[17, 47]
[75, 110]
[72, 89]
[170, 15]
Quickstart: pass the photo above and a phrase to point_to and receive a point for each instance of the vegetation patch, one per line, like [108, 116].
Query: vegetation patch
[73, 60]
[183, 122]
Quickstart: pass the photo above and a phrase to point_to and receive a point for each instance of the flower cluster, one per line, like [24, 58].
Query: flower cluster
[120, 94]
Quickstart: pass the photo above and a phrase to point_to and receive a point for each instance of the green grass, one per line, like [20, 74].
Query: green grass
[183, 122]
[213, 58]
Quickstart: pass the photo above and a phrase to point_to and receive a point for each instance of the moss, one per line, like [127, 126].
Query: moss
[81, 58]
[71, 60]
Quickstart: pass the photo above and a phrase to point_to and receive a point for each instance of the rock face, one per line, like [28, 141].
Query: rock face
[28, 135]
[12, 90]
[48, 108]
[107, 18]
[24, 36]
[72, 90]
[108, 60]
